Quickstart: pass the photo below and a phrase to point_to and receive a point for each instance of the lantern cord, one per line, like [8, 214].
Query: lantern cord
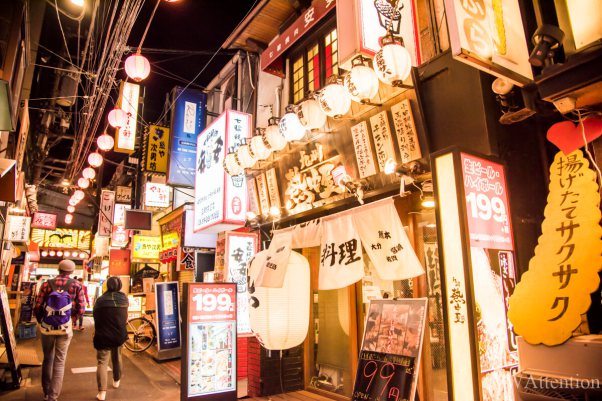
[147, 26]
[390, 24]
[591, 158]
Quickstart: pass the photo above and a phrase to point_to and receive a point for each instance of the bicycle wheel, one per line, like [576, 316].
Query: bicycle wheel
[141, 334]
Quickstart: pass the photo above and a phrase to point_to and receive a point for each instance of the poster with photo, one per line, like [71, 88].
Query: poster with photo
[390, 353]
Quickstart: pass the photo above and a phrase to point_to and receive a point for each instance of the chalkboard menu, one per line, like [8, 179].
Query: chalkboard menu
[390, 354]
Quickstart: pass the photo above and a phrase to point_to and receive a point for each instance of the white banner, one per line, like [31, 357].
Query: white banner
[105, 216]
[386, 241]
[306, 235]
[341, 262]
[273, 269]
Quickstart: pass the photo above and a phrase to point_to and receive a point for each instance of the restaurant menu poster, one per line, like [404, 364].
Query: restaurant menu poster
[210, 342]
[390, 354]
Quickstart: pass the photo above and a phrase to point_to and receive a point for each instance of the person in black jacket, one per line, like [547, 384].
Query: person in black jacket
[110, 318]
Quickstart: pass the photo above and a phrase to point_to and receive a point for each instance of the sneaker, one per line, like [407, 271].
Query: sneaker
[101, 395]
[116, 383]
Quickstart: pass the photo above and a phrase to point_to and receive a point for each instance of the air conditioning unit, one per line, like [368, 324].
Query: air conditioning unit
[571, 371]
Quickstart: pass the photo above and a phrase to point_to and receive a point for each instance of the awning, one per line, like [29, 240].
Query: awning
[8, 180]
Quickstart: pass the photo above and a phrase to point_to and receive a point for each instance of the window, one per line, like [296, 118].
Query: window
[313, 63]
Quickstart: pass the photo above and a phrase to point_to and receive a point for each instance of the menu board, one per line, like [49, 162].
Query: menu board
[209, 332]
[390, 354]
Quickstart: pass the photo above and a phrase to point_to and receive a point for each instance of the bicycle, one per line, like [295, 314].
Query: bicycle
[141, 332]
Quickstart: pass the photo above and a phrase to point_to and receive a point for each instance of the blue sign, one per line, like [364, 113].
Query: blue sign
[168, 315]
[188, 116]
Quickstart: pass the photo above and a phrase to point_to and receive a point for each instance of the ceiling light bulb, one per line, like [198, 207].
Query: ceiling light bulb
[79, 3]
[275, 211]
[390, 166]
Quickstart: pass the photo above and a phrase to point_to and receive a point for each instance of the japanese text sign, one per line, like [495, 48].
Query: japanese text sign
[119, 236]
[119, 214]
[188, 115]
[272, 183]
[46, 221]
[263, 194]
[405, 129]
[119, 262]
[123, 194]
[17, 228]
[486, 203]
[156, 151]
[548, 302]
[220, 199]
[156, 195]
[145, 247]
[363, 150]
[129, 96]
[105, 215]
[383, 140]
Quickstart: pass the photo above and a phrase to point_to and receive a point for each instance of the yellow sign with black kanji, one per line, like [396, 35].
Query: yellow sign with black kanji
[548, 302]
[156, 151]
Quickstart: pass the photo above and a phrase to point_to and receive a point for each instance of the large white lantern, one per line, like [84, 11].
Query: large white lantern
[137, 67]
[89, 173]
[259, 148]
[95, 159]
[334, 100]
[361, 82]
[105, 142]
[275, 140]
[83, 183]
[291, 128]
[245, 158]
[280, 316]
[232, 165]
[392, 63]
[311, 115]
[117, 118]
[68, 220]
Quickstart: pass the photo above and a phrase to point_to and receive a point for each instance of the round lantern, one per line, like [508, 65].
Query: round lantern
[60, 253]
[105, 142]
[95, 159]
[361, 82]
[67, 254]
[68, 218]
[83, 183]
[137, 67]
[71, 209]
[291, 128]
[392, 63]
[231, 164]
[79, 194]
[245, 157]
[89, 173]
[44, 254]
[73, 202]
[259, 148]
[274, 138]
[52, 253]
[311, 115]
[280, 316]
[117, 118]
[334, 100]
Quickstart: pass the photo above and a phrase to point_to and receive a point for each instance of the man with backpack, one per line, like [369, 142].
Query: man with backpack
[58, 301]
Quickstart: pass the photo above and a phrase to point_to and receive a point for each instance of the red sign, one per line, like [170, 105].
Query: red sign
[270, 58]
[119, 236]
[119, 262]
[211, 302]
[44, 220]
[487, 208]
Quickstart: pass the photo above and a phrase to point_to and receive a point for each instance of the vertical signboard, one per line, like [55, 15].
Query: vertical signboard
[272, 183]
[383, 141]
[363, 150]
[220, 199]
[390, 355]
[123, 194]
[262, 192]
[405, 129]
[156, 151]
[209, 342]
[129, 95]
[119, 262]
[168, 315]
[105, 215]
[188, 116]
[17, 228]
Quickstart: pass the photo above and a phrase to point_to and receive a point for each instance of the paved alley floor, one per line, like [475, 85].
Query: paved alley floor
[143, 378]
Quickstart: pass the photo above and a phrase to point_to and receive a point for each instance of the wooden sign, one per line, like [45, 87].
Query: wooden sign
[383, 141]
[363, 150]
[253, 196]
[272, 184]
[262, 190]
[405, 129]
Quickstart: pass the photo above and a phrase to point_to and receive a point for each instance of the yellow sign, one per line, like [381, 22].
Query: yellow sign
[547, 304]
[144, 247]
[62, 238]
[156, 151]
[170, 240]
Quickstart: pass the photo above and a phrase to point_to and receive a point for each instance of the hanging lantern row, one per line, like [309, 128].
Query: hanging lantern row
[137, 67]
[105, 142]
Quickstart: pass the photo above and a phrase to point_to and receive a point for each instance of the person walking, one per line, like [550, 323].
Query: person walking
[110, 317]
[80, 320]
[58, 300]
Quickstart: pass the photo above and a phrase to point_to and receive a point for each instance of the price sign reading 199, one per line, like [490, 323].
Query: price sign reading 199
[484, 207]
[212, 302]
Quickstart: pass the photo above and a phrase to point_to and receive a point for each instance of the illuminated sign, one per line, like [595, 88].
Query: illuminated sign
[123, 194]
[119, 214]
[156, 150]
[129, 95]
[156, 195]
[17, 228]
[62, 238]
[220, 200]
[46, 221]
[119, 236]
[145, 247]
[105, 215]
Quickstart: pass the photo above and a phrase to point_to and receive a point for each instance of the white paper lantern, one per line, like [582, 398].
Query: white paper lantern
[231, 164]
[105, 142]
[311, 115]
[334, 100]
[361, 82]
[79, 194]
[392, 63]
[73, 201]
[137, 67]
[245, 158]
[71, 209]
[280, 316]
[117, 118]
[83, 183]
[68, 219]
[95, 159]
[89, 173]
[291, 128]
[274, 138]
[258, 148]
